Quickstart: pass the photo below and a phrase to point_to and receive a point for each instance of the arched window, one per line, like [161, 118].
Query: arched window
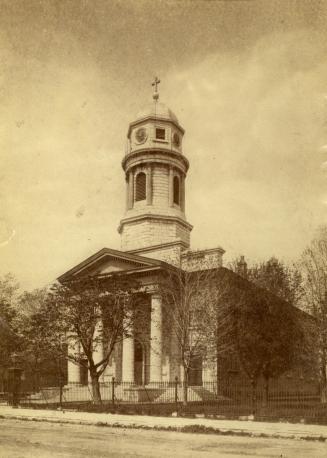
[140, 186]
[176, 191]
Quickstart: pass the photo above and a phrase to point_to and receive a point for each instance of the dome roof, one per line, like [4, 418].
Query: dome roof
[157, 109]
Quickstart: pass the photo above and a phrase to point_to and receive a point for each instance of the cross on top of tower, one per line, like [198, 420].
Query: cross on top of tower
[155, 85]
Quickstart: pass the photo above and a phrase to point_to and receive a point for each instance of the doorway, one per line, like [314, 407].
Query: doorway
[84, 373]
[139, 363]
[195, 372]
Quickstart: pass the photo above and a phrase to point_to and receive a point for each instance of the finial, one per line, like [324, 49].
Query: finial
[155, 85]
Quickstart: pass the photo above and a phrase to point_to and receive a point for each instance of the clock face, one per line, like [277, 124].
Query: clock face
[176, 139]
[141, 135]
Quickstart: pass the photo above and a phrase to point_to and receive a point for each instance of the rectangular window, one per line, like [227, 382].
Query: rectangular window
[160, 134]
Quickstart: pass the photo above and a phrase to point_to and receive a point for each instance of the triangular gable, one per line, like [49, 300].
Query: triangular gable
[106, 261]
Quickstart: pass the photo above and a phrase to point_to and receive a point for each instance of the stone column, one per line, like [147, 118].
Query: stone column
[156, 339]
[182, 193]
[128, 350]
[171, 187]
[127, 191]
[110, 370]
[128, 360]
[174, 356]
[73, 369]
[130, 189]
[149, 185]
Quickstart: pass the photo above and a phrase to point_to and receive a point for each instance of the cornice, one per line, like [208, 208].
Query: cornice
[154, 118]
[158, 247]
[155, 155]
[154, 217]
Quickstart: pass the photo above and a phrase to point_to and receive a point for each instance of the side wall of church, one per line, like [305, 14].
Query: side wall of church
[202, 259]
[170, 253]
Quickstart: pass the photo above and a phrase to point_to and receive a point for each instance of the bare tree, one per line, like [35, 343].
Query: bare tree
[314, 266]
[92, 312]
[185, 306]
[220, 297]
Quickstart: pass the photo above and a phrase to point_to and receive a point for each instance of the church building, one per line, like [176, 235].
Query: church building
[154, 231]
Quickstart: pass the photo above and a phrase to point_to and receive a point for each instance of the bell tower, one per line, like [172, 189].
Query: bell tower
[155, 168]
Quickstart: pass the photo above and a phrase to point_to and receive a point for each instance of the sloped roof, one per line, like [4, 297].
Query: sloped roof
[157, 109]
[133, 263]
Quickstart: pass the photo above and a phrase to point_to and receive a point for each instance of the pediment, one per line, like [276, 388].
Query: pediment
[108, 261]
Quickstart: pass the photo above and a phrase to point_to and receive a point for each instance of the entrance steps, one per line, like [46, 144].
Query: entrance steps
[194, 394]
[157, 393]
[206, 395]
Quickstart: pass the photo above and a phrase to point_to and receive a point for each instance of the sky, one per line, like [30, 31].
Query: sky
[246, 79]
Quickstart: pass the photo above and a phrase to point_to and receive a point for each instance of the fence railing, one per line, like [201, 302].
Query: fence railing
[300, 401]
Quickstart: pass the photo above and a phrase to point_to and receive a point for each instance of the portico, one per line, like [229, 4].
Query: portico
[139, 356]
[135, 357]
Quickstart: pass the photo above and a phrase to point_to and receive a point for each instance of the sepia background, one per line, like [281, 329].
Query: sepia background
[247, 80]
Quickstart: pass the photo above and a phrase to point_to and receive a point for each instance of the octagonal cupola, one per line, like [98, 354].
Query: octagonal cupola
[156, 126]
[155, 170]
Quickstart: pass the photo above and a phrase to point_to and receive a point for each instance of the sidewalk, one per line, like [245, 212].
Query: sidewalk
[237, 427]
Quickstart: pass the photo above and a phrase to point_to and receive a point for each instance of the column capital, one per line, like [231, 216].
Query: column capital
[151, 289]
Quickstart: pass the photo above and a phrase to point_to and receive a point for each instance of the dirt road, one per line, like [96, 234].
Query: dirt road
[27, 439]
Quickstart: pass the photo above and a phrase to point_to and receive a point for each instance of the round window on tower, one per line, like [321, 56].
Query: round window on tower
[176, 139]
[141, 135]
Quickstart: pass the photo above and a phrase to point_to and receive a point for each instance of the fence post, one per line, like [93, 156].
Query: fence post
[176, 392]
[60, 390]
[113, 391]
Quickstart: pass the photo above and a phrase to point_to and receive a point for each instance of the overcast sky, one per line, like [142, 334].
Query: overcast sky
[247, 80]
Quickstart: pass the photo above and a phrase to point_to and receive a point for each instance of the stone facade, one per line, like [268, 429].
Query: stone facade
[158, 217]
[152, 230]
[202, 259]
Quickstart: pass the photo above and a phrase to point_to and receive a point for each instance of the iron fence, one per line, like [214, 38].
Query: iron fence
[211, 398]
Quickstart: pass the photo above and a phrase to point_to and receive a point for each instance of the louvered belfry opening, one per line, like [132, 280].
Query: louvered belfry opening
[140, 185]
[176, 191]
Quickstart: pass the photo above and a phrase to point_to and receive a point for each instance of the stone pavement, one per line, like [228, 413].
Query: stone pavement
[237, 427]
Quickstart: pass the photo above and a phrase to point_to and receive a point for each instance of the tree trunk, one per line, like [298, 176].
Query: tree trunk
[185, 385]
[95, 387]
[254, 396]
[323, 379]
